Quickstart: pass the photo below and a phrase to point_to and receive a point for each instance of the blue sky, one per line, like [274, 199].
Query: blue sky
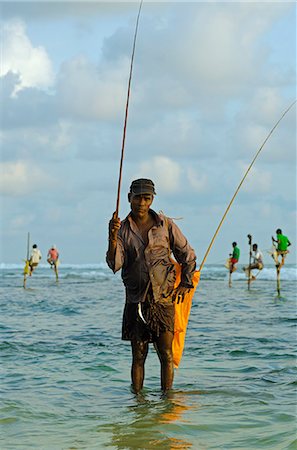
[210, 80]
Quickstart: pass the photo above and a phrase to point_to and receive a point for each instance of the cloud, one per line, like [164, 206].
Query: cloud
[20, 179]
[206, 90]
[165, 172]
[259, 182]
[19, 56]
[50, 10]
[21, 221]
[88, 92]
[197, 181]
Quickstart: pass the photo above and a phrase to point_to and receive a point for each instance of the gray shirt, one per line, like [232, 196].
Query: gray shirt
[143, 266]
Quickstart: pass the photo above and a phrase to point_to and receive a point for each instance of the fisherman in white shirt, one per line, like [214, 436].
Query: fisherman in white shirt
[257, 263]
[35, 257]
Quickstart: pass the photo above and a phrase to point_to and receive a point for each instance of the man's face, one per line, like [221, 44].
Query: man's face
[140, 204]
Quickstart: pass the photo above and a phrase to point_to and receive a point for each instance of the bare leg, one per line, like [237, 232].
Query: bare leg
[164, 350]
[283, 255]
[139, 354]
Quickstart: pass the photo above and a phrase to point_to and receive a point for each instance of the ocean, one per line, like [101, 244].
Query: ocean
[65, 373]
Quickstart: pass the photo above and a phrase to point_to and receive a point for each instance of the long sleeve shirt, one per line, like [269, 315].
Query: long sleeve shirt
[152, 264]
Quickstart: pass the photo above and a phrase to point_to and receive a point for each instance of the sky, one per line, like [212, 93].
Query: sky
[210, 80]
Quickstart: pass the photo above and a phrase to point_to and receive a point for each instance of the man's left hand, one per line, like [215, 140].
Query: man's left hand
[179, 294]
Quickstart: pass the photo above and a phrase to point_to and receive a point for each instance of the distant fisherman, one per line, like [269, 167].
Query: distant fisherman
[257, 263]
[53, 256]
[282, 247]
[35, 257]
[234, 257]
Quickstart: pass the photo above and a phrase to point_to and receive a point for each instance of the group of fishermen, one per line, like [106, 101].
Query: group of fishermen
[141, 247]
[279, 252]
[36, 256]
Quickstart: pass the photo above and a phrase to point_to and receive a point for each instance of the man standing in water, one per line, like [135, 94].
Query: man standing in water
[141, 246]
[282, 247]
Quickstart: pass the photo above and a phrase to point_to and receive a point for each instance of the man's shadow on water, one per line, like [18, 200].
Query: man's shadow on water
[152, 420]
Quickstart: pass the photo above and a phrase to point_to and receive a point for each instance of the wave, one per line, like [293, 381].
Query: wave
[102, 265]
[101, 270]
[269, 274]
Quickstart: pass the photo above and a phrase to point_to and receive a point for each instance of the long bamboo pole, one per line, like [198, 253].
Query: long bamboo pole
[240, 184]
[126, 115]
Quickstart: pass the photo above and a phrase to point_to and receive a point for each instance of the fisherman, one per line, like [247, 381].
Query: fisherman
[141, 246]
[282, 248]
[234, 257]
[257, 263]
[53, 256]
[35, 257]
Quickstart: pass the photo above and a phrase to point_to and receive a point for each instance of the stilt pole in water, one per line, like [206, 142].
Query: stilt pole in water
[56, 272]
[250, 260]
[230, 281]
[278, 269]
[26, 268]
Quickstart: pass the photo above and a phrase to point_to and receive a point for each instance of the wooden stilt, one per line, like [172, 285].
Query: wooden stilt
[230, 280]
[278, 269]
[26, 268]
[250, 260]
[56, 272]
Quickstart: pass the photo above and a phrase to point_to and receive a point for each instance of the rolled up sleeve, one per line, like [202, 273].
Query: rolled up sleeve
[119, 258]
[183, 253]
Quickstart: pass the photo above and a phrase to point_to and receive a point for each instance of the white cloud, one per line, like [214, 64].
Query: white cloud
[207, 87]
[19, 56]
[20, 179]
[91, 93]
[197, 181]
[258, 181]
[21, 221]
[165, 172]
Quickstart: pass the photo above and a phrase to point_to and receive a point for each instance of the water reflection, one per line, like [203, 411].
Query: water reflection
[152, 422]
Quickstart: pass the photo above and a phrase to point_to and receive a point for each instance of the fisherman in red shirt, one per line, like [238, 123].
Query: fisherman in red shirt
[53, 256]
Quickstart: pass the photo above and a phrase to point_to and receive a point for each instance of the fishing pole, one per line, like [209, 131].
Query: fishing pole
[126, 114]
[240, 184]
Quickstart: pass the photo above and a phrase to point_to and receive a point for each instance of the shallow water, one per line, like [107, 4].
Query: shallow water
[66, 372]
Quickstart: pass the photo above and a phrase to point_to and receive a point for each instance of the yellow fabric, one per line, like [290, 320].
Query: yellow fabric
[26, 268]
[182, 313]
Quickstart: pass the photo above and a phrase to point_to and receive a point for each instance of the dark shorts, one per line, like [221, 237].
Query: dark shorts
[159, 318]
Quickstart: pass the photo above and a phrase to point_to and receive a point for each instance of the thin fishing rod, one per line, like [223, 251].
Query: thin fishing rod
[126, 114]
[240, 184]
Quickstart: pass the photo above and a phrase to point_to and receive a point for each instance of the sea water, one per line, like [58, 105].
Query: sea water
[65, 373]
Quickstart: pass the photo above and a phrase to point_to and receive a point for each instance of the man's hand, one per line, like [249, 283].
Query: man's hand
[179, 294]
[114, 226]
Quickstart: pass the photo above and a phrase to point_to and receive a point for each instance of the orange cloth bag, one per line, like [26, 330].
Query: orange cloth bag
[182, 313]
